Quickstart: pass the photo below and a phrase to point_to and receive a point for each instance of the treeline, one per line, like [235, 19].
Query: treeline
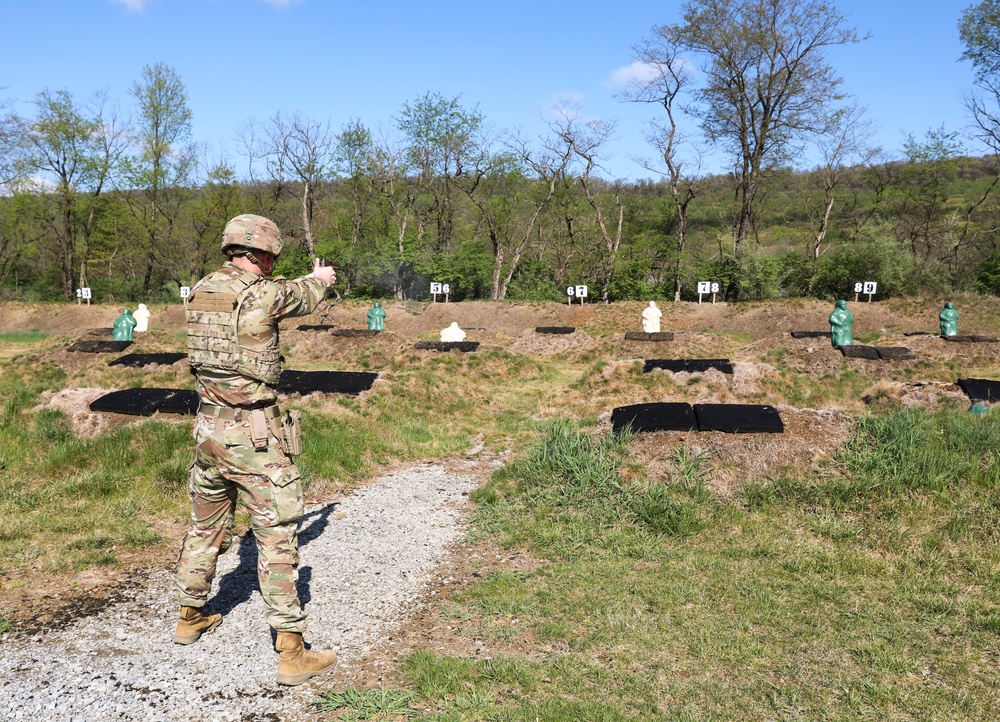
[134, 211]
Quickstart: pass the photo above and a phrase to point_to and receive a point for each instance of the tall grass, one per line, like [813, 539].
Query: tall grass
[867, 592]
[566, 494]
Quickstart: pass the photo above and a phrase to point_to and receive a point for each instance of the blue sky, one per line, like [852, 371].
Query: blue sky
[515, 59]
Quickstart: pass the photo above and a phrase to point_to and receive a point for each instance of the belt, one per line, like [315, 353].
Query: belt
[230, 413]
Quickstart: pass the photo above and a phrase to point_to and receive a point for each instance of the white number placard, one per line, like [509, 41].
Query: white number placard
[85, 293]
[704, 287]
[581, 291]
[436, 288]
[869, 287]
[185, 291]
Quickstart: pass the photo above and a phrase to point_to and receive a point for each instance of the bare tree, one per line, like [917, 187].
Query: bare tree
[307, 147]
[391, 169]
[217, 201]
[110, 143]
[843, 147]
[586, 140]
[511, 185]
[265, 169]
[668, 79]
[767, 83]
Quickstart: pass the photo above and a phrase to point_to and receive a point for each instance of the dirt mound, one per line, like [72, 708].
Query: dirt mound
[728, 461]
[531, 343]
[75, 403]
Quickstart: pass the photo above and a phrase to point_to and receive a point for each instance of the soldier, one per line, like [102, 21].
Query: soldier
[244, 444]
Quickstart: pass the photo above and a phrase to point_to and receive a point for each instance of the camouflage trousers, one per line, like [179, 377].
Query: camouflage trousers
[227, 468]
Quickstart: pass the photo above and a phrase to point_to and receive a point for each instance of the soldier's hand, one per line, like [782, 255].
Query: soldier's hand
[327, 274]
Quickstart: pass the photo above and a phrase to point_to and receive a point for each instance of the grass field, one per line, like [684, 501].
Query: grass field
[863, 586]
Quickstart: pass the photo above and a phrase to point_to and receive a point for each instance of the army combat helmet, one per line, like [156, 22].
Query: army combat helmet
[247, 233]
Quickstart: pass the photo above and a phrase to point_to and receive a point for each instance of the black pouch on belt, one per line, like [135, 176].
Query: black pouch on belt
[258, 430]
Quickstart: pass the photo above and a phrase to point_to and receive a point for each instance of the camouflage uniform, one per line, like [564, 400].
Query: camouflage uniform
[233, 348]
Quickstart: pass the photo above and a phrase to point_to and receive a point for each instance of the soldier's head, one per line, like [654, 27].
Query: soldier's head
[255, 237]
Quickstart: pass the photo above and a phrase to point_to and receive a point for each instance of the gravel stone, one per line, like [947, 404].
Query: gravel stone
[365, 561]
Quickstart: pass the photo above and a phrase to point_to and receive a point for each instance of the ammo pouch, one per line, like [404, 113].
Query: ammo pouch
[288, 429]
[258, 429]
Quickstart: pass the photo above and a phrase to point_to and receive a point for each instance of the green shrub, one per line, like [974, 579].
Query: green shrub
[873, 255]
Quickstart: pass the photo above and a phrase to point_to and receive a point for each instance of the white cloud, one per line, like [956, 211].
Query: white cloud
[636, 73]
[136, 6]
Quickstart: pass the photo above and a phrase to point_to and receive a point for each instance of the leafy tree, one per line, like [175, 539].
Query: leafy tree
[77, 151]
[922, 212]
[158, 171]
[19, 232]
[439, 134]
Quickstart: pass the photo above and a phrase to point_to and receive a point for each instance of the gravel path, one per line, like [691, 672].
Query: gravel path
[364, 562]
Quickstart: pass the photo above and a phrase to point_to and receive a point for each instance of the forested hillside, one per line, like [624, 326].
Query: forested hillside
[910, 225]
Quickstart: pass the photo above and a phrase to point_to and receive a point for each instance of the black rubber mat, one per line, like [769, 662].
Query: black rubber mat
[980, 389]
[137, 360]
[654, 417]
[146, 402]
[643, 336]
[986, 339]
[181, 402]
[960, 339]
[363, 332]
[317, 327]
[465, 346]
[326, 382]
[555, 329]
[739, 418]
[894, 353]
[919, 333]
[866, 352]
[690, 365]
[99, 346]
[810, 334]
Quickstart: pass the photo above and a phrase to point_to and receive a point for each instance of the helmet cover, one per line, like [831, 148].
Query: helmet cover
[253, 232]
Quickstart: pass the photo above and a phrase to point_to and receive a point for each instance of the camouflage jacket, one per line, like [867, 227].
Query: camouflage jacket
[232, 321]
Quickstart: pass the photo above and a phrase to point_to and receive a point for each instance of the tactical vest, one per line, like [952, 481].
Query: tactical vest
[215, 340]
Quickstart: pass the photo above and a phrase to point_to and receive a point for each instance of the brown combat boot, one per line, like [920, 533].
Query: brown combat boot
[193, 623]
[296, 663]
